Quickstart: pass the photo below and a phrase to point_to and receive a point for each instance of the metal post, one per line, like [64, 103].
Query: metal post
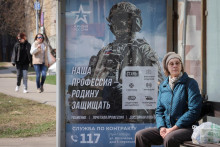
[36, 19]
[60, 77]
[184, 32]
[58, 107]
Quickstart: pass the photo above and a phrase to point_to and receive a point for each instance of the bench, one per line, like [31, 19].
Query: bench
[190, 144]
[214, 112]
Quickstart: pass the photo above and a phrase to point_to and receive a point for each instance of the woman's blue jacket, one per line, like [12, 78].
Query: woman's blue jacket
[180, 107]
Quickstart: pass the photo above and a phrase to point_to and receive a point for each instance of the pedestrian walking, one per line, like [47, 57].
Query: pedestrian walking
[39, 50]
[21, 58]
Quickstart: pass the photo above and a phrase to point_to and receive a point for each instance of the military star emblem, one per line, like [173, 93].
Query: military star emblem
[81, 15]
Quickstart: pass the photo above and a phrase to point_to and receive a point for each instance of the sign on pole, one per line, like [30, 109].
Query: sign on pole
[37, 5]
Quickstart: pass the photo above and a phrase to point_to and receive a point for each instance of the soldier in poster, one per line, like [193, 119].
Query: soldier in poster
[124, 21]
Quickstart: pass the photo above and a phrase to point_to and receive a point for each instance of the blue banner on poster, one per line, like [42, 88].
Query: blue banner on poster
[114, 51]
[102, 135]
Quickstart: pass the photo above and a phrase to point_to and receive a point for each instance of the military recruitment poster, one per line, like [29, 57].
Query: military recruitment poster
[114, 51]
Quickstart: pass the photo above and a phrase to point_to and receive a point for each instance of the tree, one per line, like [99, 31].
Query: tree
[16, 16]
[12, 17]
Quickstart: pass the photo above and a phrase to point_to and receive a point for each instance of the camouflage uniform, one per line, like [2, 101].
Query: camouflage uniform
[115, 56]
[109, 63]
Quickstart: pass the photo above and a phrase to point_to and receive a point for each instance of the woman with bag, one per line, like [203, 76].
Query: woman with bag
[178, 107]
[39, 50]
[21, 57]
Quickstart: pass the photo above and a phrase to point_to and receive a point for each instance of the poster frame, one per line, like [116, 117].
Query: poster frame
[60, 67]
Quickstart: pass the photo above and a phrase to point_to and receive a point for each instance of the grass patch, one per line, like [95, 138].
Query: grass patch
[50, 79]
[3, 68]
[2, 65]
[22, 118]
[31, 69]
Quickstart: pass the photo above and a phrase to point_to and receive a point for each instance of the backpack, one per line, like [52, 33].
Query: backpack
[206, 106]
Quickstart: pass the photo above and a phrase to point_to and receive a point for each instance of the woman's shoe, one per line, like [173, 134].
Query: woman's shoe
[38, 90]
[25, 91]
[17, 88]
[42, 89]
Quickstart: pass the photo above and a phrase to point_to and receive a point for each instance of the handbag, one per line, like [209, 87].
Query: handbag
[206, 106]
[51, 59]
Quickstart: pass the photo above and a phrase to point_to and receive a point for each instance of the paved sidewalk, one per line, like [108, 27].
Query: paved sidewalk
[7, 86]
[28, 142]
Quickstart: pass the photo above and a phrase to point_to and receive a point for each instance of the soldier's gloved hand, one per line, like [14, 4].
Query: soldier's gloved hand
[112, 60]
[117, 87]
[13, 64]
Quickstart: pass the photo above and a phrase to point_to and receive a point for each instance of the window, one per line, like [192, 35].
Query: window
[213, 50]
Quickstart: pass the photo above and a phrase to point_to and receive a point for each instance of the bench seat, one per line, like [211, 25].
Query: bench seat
[190, 144]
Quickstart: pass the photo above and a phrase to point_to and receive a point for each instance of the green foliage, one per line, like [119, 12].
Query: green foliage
[50, 79]
[3, 65]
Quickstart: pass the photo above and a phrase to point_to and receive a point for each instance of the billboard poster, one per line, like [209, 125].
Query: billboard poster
[114, 51]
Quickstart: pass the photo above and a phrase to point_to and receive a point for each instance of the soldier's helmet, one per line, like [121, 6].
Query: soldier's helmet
[125, 11]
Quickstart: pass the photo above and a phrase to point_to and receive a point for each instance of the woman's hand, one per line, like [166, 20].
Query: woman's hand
[165, 131]
[39, 46]
[162, 132]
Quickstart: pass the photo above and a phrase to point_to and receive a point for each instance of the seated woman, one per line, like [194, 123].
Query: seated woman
[178, 107]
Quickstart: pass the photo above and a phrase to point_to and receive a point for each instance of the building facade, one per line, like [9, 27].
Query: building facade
[46, 20]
